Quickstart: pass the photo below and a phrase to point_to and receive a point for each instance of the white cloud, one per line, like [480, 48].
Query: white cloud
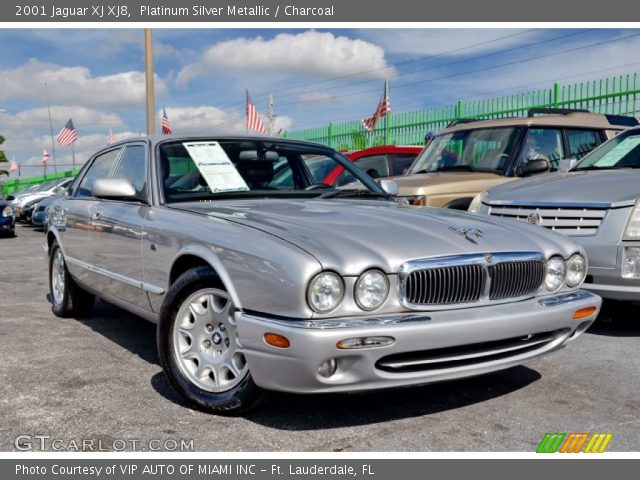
[214, 121]
[307, 53]
[75, 85]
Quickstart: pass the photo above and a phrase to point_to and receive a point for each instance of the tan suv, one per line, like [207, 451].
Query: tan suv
[471, 156]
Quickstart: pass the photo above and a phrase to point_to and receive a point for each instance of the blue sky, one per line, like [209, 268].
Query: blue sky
[316, 75]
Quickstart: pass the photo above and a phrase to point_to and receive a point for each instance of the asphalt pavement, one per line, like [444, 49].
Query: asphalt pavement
[97, 380]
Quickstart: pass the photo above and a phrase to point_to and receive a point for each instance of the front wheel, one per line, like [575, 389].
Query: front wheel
[199, 348]
[67, 298]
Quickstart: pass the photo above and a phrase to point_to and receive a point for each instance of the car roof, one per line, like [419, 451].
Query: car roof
[576, 119]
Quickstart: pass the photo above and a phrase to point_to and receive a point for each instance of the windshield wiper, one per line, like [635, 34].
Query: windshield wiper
[448, 168]
[354, 193]
[593, 167]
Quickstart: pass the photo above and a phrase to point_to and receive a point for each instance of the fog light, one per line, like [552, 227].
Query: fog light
[364, 342]
[584, 312]
[328, 368]
[276, 340]
[631, 262]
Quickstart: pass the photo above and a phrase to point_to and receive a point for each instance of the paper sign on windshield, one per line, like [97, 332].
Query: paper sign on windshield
[215, 167]
[619, 151]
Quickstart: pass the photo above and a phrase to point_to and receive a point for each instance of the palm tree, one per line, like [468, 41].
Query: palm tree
[3, 159]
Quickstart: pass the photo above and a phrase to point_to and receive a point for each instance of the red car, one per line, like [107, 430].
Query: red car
[378, 162]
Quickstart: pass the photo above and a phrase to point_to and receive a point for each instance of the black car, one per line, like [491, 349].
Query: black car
[7, 218]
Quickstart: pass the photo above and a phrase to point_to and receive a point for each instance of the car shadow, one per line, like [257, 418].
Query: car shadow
[125, 329]
[617, 319]
[285, 411]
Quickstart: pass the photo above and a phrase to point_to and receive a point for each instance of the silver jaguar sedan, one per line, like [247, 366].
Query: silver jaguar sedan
[596, 203]
[281, 282]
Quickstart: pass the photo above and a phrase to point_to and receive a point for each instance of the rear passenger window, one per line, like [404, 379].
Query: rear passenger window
[100, 168]
[402, 162]
[133, 168]
[582, 142]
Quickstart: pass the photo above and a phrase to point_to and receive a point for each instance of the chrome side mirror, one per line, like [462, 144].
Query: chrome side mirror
[389, 186]
[113, 188]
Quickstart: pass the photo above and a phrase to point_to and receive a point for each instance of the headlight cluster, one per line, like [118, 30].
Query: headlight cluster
[572, 272]
[7, 212]
[632, 230]
[415, 200]
[326, 291]
[476, 203]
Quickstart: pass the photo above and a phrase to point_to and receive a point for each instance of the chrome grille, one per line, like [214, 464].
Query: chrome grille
[574, 220]
[441, 286]
[515, 279]
[465, 279]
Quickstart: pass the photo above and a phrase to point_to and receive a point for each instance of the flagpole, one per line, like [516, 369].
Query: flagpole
[73, 156]
[53, 146]
[246, 111]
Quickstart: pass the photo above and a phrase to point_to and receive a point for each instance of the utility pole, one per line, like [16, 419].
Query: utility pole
[151, 100]
[271, 115]
[53, 144]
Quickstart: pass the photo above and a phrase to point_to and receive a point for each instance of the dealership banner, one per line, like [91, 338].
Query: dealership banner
[338, 469]
[314, 11]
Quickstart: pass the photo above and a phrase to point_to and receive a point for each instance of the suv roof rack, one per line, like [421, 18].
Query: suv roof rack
[462, 121]
[557, 111]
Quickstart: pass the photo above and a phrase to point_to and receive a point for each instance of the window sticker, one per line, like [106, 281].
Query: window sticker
[619, 152]
[215, 167]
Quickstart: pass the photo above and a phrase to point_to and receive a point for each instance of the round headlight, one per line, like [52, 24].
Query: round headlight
[576, 270]
[371, 289]
[7, 212]
[555, 273]
[325, 292]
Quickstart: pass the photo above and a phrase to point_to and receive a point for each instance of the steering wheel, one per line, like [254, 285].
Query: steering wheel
[319, 186]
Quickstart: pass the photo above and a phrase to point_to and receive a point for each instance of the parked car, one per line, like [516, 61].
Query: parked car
[39, 214]
[303, 288]
[596, 203]
[7, 218]
[378, 162]
[471, 156]
[43, 190]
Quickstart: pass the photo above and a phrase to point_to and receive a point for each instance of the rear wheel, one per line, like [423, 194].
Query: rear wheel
[199, 348]
[67, 298]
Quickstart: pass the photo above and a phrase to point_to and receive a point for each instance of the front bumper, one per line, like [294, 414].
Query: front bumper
[428, 346]
[7, 224]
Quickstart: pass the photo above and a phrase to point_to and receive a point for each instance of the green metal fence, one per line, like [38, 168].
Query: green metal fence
[616, 95]
[11, 186]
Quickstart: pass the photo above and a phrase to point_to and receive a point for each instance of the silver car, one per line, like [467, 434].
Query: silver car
[261, 282]
[596, 203]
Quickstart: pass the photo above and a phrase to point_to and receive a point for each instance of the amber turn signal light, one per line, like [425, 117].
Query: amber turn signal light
[276, 340]
[584, 312]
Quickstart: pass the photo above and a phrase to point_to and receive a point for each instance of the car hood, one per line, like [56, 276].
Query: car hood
[351, 236]
[447, 182]
[615, 187]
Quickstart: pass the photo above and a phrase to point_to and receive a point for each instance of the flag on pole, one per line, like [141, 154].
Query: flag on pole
[45, 157]
[67, 135]
[111, 138]
[166, 126]
[384, 107]
[254, 122]
[14, 166]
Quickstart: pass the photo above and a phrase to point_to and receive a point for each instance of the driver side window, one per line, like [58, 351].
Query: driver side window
[100, 168]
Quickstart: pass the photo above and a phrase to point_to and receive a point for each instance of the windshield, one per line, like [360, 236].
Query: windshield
[621, 152]
[483, 149]
[218, 169]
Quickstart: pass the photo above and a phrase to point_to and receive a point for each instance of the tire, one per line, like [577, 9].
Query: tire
[198, 346]
[67, 298]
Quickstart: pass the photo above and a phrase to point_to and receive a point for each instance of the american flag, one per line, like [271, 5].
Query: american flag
[45, 157]
[14, 166]
[67, 135]
[384, 107]
[111, 138]
[166, 126]
[254, 122]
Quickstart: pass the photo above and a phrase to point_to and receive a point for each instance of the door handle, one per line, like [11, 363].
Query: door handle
[96, 214]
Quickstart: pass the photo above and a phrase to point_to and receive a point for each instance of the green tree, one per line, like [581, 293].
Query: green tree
[3, 159]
